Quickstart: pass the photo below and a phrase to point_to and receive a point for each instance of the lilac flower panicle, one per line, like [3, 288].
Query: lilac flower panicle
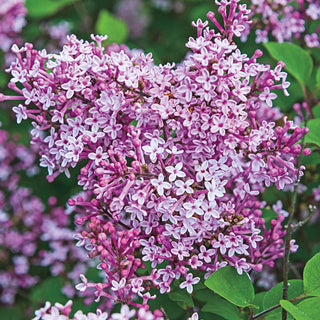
[173, 159]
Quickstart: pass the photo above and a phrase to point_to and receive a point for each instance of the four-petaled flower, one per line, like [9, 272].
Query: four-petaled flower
[153, 150]
[160, 184]
[175, 171]
[184, 186]
[190, 281]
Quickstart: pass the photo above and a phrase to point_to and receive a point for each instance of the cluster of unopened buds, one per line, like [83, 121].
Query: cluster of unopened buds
[173, 158]
[285, 20]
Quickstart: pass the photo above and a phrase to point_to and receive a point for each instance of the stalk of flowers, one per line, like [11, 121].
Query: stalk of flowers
[176, 155]
[285, 20]
[12, 20]
[117, 251]
[62, 312]
[25, 225]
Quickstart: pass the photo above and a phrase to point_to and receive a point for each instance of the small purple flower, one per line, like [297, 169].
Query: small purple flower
[190, 281]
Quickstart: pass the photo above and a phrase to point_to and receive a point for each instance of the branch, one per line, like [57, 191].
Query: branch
[257, 316]
[312, 211]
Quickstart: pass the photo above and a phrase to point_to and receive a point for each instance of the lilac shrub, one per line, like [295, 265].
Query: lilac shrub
[173, 158]
[26, 225]
[285, 20]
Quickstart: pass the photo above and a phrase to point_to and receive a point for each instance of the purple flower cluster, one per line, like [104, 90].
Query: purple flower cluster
[62, 312]
[285, 20]
[25, 224]
[12, 20]
[117, 252]
[174, 158]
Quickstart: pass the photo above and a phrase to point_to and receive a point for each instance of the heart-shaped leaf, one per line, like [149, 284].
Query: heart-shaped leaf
[115, 28]
[294, 311]
[232, 286]
[311, 276]
[223, 308]
[313, 136]
[298, 61]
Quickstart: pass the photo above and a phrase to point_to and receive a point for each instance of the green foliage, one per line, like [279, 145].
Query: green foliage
[313, 135]
[294, 311]
[311, 276]
[49, 290]
[115, 28]
[222, 307]
[173, 309]
[204, 295]
[183, 297]
[268, 215]
[318, 77]
[258, 301]
[298, 61]
[312, 159]
[200, 11]
[310, 307]
[237, 289]
[45, 8]
[316, 110]
[11, 313]
[273, 297]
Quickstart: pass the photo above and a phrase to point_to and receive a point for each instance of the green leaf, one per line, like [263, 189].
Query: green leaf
[313, 136]
[316, 110]
[311, 276]
[45, 8]
[298, 61]
[258, 301]
[311, 159]
[181, 296]
[171, 308]
[49, 290]
[274, 295]
[11, 313]
[236, 288]
[318, 77]
[204, 295]
[115, 28]
[310, 307]
[223, 308]
[294, 311]
[295, 94]
[268, 215]
[200, 11]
